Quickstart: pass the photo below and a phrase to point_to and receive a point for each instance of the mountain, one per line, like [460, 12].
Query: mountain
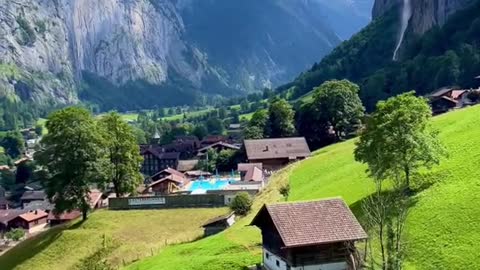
[128, 54]
[424, 46]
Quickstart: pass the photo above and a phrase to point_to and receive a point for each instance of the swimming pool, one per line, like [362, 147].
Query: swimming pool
[201, 186]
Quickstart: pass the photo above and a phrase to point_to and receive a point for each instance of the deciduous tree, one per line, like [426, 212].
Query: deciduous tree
[73, 154]
[123, 153]
[280, 119]
[339, 104]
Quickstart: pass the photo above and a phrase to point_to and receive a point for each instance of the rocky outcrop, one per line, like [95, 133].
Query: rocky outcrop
[426, 13]
[209, 44]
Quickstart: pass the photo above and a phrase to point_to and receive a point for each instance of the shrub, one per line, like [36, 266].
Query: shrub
[241, 204]
[285, 190]
[15, 234]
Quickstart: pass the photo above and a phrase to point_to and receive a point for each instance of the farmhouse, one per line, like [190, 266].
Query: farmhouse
[309, 235]
[30, 221]
[211, 139]
[155, 161]
[167, 172]
[218, 224]
[7, 215]
[274, 154]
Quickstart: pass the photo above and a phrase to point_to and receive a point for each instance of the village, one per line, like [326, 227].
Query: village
[175, 176]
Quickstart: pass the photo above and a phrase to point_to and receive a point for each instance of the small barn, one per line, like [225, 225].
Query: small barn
[57, 219]
[218, 224]
[167, 185]
[310, 235]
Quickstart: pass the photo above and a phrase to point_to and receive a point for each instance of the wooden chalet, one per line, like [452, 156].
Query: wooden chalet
[211, 139]
[218, 224]
[310, 235]
[155, 161]
[29, 221]
[7, 215]
[274, 154]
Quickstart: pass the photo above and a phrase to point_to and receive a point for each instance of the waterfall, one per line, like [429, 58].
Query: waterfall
[406, 15]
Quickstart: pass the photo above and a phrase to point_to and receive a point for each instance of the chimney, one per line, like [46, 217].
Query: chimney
[266, 149]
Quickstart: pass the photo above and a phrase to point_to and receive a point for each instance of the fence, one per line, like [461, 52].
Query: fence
[165, 202]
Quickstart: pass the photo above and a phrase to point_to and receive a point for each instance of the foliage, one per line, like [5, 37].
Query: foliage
[73, 154]
[285, 191]
[28, 36]
[209, 164]
[123, 153]
[13, 143]
[311, 125]
[15, 234]
[337, 102]
[200, 131]
[7, 179]
[215, 126]
[227, 160]
[24, 172]
[280, 119]
[241, 204]
[398, 139]
[39, 130]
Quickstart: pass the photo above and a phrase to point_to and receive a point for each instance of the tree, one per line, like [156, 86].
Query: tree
[253, 133]
[398, 139]
[73, 154]
[339, 104]
[200, 131]
[285, 191]
[241, 204]
[313, 126]
[7, 179]
[244, 106]
[226, 160]
[38, 130]
[24, 172]
[13, 143]
[123, 153]
[280, 119]
[15, 234]
[215, 126]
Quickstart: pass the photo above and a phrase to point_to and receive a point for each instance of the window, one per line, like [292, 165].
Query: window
[267, 255]
[278, 263]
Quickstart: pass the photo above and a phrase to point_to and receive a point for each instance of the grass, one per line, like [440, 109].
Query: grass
[442, 228]
[138, 233]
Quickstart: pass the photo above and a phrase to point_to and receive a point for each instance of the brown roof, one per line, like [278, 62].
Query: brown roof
[440, 92]
[456, 94]
[217, 219]
[7, 215]
[254, 174]
[161, 155]
[187, 165]
[243, 167]
[33, 215]
[449, 99]
[313, 223]
[172, 178]
[65, 216]
[34, 195]
[291, 148]
[171, 172]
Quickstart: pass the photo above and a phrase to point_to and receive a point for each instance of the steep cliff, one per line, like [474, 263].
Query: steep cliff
[141, 53]
[425, 13]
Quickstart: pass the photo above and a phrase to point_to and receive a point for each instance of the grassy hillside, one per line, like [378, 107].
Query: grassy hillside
[136, 234]
[442, 226]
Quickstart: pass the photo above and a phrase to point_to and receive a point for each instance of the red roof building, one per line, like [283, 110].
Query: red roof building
[309, 235]
[56, 219]
[29, 220]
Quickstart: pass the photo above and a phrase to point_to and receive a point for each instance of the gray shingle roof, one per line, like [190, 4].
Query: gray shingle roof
[292, 148]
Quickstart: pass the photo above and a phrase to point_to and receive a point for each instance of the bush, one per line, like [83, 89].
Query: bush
[285, 190]
[15, 234]
[241, 204]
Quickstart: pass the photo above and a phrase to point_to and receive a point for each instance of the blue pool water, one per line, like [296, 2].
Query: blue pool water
[204, 185]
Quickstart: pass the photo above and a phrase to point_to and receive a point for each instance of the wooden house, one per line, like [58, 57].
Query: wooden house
[167, 172]
[274, 154]
[218, 146]
[251, 172]
[309, 235]
[218, 224]
[30, 221]
[7, 215]
[155, 161]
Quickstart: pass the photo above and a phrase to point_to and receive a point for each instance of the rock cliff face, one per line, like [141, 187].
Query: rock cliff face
[214, 46]
[426, 13]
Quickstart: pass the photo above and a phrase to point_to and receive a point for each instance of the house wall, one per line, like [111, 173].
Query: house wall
[151, 164]
[272, 164]
[274, 262]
